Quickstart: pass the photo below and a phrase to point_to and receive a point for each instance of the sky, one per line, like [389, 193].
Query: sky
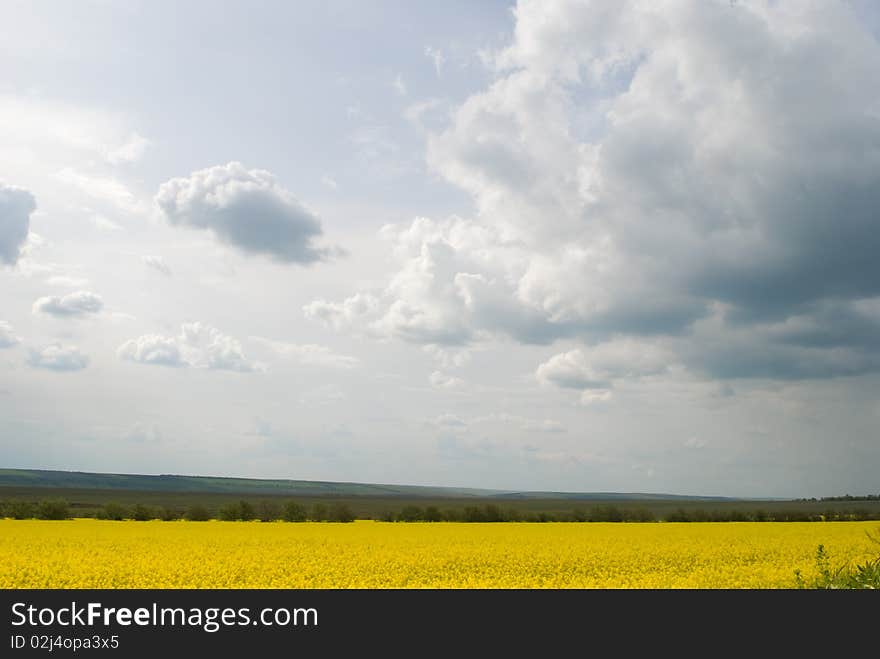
[620, 246]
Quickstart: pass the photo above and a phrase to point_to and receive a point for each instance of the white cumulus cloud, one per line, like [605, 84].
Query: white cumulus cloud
[198, 345]
[247, 209]
[74, 305]
[57, 357]
[638, 171]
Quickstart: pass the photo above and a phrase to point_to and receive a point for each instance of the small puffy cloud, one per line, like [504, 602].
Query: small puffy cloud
[449, 421]
[157, 263]
[58, 358]
[16, 206]
[595, 369]
[142, 433]
[198, 345]
[345, 315]
[7, 336]
[440, 380]
[152, 349]
[129, 151]
[72, 305]
[247, 209]
[309, 354]
[571, 370]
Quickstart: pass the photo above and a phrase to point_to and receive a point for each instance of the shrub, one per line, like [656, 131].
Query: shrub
[605, 514]
[411, 514]
[198, 513]
[268, 511]
[20, 509]
[433, 514]
[293, 512]
[473, 514]
[141, 513]
[167, 514]
[493, 514]
[641, 515]
[53, 509]
[246, 511]
[114, 511]
[341, 513]
[319, 513]
[231, 512]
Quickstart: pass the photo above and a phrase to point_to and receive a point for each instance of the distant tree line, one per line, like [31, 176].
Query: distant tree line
[857, 515]
[847, 497]
[239, 511]
[493, 513]
[292, 511]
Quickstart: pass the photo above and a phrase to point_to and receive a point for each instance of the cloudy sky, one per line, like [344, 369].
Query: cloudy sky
[584, 246]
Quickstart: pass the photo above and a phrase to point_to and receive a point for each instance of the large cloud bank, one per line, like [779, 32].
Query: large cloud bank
[693, 179]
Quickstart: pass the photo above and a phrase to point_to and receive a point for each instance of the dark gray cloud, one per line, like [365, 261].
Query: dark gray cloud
[16, 206]
[247, 209]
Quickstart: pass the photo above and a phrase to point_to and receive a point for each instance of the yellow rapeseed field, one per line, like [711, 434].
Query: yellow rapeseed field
[365, 554]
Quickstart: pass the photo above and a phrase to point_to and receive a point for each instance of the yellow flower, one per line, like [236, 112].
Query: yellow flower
[107, 554]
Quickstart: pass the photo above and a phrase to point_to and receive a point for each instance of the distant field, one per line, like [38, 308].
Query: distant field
[106, 554]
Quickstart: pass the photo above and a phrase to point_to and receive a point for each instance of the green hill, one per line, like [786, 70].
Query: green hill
[38, 478]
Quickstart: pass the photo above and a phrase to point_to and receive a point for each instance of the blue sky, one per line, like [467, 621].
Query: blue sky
[549, 245]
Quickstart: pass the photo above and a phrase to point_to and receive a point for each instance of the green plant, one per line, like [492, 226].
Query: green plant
[268, 511]
[198, 513]
[53, 509]
[114, 511]
[862, 576]
[294, 512]
[141, 513]
[19, 509]
[167, 514]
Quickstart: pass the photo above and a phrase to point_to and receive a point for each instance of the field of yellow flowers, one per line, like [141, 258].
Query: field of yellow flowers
[366, 554]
